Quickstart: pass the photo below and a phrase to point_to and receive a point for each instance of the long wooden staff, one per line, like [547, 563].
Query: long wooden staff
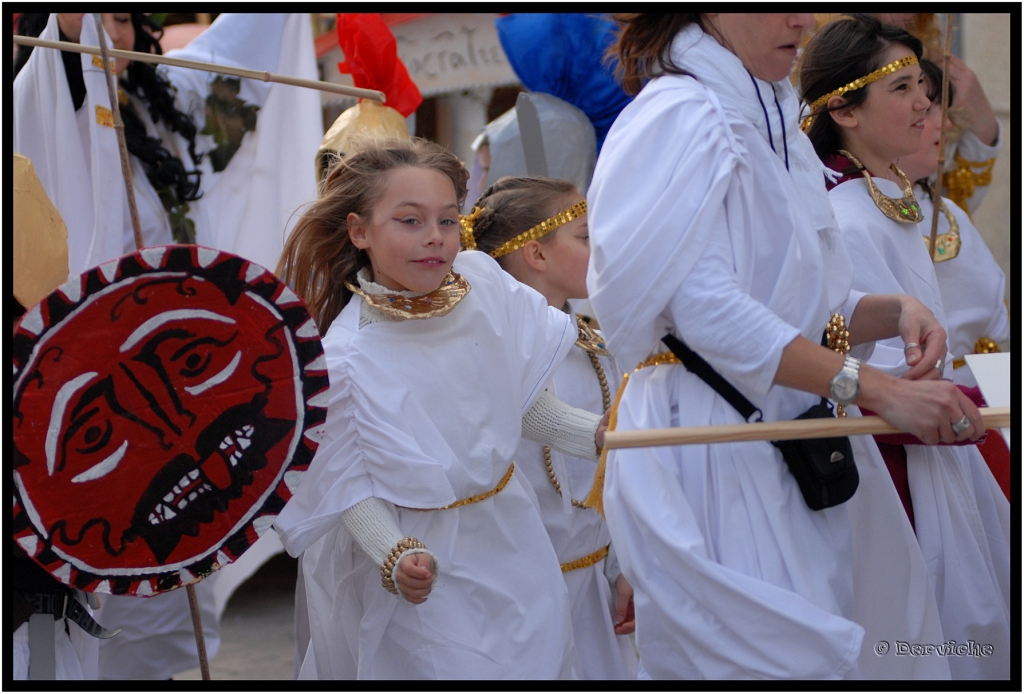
[126, 171]
[942, 137]
[995, 417]
[122, 146]
[207, 67]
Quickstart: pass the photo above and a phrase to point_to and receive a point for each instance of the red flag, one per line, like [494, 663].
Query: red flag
[371, 57]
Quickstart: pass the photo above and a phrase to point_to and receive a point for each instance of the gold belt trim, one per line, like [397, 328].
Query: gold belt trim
[472, 499]
[584, 562]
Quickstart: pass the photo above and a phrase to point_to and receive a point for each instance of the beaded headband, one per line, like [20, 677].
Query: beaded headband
[466, 226]
[542, 229]
[859, 83]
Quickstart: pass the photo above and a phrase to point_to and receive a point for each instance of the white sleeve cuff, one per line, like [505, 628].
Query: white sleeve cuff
[372, 525]
[566, 429]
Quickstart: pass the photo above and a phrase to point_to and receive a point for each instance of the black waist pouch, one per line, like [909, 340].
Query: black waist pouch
[824, 468]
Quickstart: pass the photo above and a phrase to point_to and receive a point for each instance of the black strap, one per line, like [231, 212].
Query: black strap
[695, 364]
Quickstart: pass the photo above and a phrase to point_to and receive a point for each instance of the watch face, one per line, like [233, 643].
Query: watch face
[845, 387]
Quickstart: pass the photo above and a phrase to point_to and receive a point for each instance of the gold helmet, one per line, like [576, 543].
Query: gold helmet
[367, 117]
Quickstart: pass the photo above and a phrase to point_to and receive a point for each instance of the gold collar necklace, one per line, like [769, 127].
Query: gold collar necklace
[439, 302]
[947, 246]
[906, 209]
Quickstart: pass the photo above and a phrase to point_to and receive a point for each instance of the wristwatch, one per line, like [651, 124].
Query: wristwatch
[845, 385]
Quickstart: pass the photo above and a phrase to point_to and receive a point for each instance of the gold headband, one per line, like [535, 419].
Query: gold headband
[466, 224]
[545, 227]
[859, 83]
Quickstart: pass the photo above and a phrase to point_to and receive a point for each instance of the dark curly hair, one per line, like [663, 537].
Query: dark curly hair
[166, 172]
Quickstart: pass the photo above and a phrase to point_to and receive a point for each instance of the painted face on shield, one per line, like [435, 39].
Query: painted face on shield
[159, 421]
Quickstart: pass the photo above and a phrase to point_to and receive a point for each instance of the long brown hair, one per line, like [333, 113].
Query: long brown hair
[644, 45]
[318, 257]
[843, 51]
[515, 204]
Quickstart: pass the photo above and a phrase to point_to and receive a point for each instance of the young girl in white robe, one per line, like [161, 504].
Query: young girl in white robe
[423, 552]
[960, 515]
[972, 284]
[709, 220]
[536, 228]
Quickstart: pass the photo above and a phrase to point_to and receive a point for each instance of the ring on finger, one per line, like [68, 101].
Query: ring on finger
[941, 365]
[910, 345]
[962, 425]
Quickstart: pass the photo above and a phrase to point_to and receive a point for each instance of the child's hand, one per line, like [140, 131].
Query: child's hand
[625, 619]
[601, 428]
[414, 578]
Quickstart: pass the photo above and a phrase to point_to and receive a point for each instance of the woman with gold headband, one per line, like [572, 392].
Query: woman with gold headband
[959, 513]
[536, 228]
[709, 221]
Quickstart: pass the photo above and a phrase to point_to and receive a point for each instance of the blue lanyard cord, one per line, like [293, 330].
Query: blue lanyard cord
[764, 109]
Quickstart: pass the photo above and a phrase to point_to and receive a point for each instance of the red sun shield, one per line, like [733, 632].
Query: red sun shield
[166, 405]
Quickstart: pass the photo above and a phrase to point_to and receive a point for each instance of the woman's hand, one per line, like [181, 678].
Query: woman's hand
[925, 340]
[625, 618]
[70, 24]
[414, 578]
[970, 99]
[926, 409]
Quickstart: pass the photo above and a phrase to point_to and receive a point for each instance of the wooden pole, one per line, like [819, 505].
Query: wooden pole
[942, 137]
[995, 417]
[197, 627]
[262, 75]
[122, 146]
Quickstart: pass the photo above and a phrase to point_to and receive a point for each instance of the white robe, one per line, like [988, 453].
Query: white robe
[245, 209]
[422, 413]
[972, 287]
[961, 516]
[697, 227]
[576, 532]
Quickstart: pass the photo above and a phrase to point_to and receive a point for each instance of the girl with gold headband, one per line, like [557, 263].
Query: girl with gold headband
[973, 146]
[710, 222]
[862, 127]
[536, 228]
[972, 284]
[424, 556]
